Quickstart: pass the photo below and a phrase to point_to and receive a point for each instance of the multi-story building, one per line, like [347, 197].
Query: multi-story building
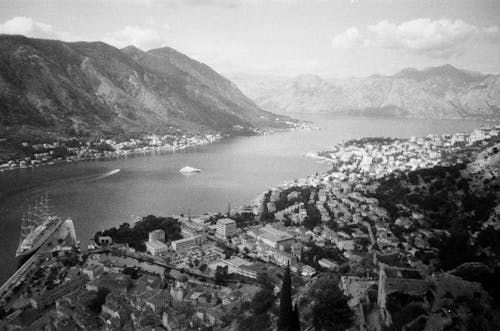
[272, 237]
[241, 267]
[158, 235]
[156, 247]
[186, 243]
[49, 297]
[226, 227]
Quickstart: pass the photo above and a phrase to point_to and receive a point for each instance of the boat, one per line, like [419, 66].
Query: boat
[37, 227]
[38, 236]
[189, 169]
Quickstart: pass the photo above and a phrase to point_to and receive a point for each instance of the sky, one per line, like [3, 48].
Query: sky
[331, 38]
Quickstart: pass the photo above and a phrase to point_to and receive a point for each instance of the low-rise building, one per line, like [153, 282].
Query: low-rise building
[272, 237]
[156, 247]
[241, 267]
[50, 297]
[93, 271]
[328, 264]
[186, 243]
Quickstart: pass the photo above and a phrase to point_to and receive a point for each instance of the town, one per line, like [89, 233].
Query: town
[372, 237]
[71, 150]
[74, 150]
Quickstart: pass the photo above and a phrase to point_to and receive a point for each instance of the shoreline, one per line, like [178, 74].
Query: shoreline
[119, 153]
[132, 154]
[110, 155]
[468, 137]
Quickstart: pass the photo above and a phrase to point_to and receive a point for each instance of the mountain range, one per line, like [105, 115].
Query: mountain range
[94, 89]
[436, 92]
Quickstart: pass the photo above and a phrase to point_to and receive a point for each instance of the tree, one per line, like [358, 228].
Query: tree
[262, 301]
[255, 323]
[203, 267]
[329, 308]
[265, 280]
[220, 273]
[96, 303]
[296, 318]
[458, 241]
[286, 320]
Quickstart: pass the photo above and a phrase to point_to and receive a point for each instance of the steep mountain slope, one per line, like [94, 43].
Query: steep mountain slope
[203, 87]
[438, 92]
[91, 88]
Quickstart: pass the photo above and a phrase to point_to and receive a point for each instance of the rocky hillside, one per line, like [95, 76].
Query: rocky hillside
[437, 92]
[94, 89]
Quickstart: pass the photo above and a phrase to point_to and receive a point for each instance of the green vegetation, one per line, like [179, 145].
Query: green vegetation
[244, 220]
[313, 218]
[260, 306]
[448, 202]
[327, 307]
[262, 301]
[404, 309]
[95, 305]
[312, 253]
[372, 140]
[255, 323]
[136, 235]
[221, 274]
[288, 319]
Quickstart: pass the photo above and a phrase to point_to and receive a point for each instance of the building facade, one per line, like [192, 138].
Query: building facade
[226, 227]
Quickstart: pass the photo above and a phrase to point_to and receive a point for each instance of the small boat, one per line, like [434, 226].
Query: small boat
[188, 169]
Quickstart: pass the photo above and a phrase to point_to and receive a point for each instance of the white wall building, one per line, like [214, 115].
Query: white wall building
[186, 243]
[156, 247]
[226, 227]
[158, 235]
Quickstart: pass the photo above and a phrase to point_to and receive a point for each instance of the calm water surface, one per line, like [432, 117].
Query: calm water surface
[234, 171]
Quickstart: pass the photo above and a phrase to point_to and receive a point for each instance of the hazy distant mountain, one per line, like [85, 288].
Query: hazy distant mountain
[437, 92]
[91, 88]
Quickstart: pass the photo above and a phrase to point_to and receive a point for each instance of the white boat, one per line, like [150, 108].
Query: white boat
[37, 227]
[188, 169]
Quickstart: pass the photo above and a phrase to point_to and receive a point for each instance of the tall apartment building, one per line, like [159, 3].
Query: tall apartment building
[226, 227]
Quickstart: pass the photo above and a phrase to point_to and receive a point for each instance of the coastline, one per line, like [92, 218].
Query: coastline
[117, 153]
[116, 150]
[447, 143]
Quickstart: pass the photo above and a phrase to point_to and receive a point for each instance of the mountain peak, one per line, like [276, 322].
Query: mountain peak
[308, 81]
[131, 49]
[435, 92]
[133, 52]
[95, 89]
[165, 50]
[446, 71]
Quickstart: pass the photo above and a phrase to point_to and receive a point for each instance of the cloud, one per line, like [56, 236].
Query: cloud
[348, 39]
[29, 27]
[145, 37]
[142, 37]
[441, 38]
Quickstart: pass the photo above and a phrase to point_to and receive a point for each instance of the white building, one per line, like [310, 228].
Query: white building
[104, 240]
[272, 237]
[328, 264]
[158, 235]
[241, 267]
[186, 243]
[156, 247]
[226, 227]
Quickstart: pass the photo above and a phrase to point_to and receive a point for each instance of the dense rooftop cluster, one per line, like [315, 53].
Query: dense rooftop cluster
[74, 150]
[370, 245]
